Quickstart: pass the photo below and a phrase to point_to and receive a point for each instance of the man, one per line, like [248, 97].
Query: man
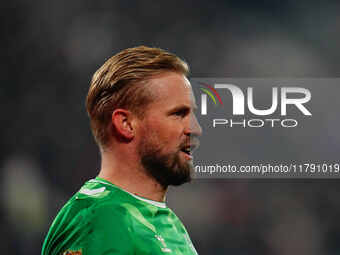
[140, 105]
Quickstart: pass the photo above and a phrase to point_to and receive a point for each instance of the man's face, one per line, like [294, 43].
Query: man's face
[169, 130]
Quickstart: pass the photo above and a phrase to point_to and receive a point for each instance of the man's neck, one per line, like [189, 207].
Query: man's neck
[126, 174]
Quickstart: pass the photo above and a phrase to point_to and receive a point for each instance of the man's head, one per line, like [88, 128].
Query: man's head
[121, 82]
[148, 86]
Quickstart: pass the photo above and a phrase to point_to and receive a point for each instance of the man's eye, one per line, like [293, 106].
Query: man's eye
[181, 113]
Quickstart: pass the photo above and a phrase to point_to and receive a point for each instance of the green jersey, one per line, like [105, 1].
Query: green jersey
[104, 219]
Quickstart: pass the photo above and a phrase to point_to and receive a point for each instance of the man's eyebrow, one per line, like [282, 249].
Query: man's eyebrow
[182, 107]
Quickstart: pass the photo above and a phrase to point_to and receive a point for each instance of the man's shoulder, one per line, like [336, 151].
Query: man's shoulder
[97, 200]
[94, 215]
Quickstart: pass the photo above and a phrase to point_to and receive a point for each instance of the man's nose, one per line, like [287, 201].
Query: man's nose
[194, 126]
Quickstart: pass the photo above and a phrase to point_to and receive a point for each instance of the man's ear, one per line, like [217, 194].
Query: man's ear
[122, 122]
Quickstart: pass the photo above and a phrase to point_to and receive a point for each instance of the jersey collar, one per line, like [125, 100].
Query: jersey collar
[151, 202]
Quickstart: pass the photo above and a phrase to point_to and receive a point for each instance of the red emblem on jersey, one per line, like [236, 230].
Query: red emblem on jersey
[72, 252]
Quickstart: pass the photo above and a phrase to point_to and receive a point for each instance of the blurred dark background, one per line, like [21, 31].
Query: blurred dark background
[49, 51]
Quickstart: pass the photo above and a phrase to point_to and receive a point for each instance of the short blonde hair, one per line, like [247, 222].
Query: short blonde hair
[119, 83]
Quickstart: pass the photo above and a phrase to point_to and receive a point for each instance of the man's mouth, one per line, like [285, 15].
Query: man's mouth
[188, 149]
